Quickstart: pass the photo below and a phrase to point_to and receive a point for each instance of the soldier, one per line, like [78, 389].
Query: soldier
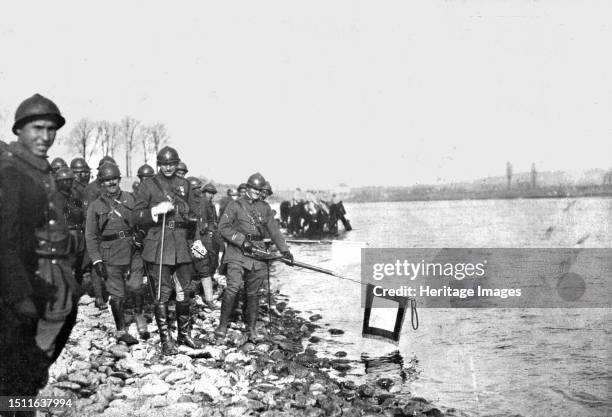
[231, 195]
[145, 171]
[166, 197]
[243, 225]
[38, 293]
[58, 163]
[212, 242]
[92, 192]
[242, 188]
[181, 169]
[82, 174]
[111, 246]
[74, 216]
[94, 188]
[266, 192]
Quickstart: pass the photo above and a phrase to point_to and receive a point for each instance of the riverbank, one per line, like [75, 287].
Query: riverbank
[280, 375]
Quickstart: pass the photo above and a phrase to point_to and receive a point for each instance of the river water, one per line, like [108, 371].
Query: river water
[484, 362]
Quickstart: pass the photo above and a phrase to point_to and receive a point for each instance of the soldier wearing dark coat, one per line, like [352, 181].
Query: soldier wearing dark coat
[92, 192]
[82, 175]
[38, 293]
[113, 252]
[74, 216]
[166, 197]
[243, 225]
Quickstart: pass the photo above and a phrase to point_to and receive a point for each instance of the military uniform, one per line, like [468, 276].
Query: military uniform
[34, 249]
[176, 257]
[78, 192]
[74, 217]
[109, 236]
[92, 191]
[246, 220]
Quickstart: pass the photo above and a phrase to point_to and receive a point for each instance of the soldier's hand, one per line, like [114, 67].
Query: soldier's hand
[26, 309]
[247, 247]
[198, 250]
[101, 270]
[162, 208]
[287, 255]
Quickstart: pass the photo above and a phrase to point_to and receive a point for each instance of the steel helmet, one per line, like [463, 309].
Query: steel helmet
[106, 159]
[58, 163]
[79, 165]
[167, 155]
[210, 188]
[268, 188]
[108, 171]
[194, 182]
[64, 173]
[37, 107]
[182, 167]
[242, 186]
[256, 181]
[145, 171]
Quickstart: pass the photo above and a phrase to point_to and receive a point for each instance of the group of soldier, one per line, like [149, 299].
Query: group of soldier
[56, 226]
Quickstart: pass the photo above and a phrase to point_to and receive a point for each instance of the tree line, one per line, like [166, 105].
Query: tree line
[127, 136]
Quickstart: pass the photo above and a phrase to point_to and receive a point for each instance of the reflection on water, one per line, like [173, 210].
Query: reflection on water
[544, 362]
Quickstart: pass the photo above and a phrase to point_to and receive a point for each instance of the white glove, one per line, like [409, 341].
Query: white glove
[198, 250]
[161, 208]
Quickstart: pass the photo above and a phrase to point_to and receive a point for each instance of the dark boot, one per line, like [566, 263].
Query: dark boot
[119, 316]
[141, 322]
[161, 317]
[183, 318]
[98, 288]
[227, 306]
[251, 312]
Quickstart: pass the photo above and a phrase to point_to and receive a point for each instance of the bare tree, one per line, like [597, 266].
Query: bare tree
[108, 133]
[82, 138]
[158, 137]
[128, 126]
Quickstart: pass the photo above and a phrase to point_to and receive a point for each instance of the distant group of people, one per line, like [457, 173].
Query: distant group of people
[56, 226]
[308, 213]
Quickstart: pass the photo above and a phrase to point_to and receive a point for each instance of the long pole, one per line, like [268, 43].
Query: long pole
[161, 258]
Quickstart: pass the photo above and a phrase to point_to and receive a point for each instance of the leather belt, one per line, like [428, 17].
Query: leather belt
[176, 225]
[121, 235]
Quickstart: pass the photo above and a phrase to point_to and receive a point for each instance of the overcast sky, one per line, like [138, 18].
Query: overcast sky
[320, 92]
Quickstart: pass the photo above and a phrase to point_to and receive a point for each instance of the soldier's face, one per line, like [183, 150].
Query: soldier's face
[64, 185]
[83, 177]
[253, 194]
[168, 170]
[180, 173]
[38, 136]
[111, 186]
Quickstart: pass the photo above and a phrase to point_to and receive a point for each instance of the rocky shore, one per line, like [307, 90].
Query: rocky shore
[280, 375]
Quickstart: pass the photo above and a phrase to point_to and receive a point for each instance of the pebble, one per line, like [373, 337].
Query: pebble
[158, 401]
[315, 317]
[158, 388]
[208, 389]
[336, 331]
[119, 351]
[177, 376]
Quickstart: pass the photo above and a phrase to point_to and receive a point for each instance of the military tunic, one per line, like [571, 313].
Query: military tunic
[244, 217]
[176, 190]
[109, 235]
[177, 253]
[30, 214]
